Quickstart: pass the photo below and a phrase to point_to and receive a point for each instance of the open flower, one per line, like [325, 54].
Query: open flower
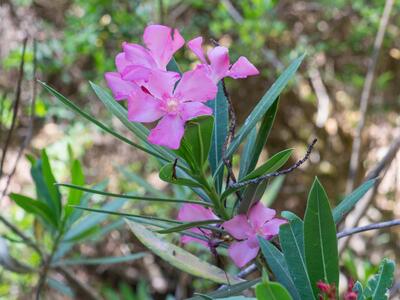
[135, 63]
[193, 213]
[172, 106]
[260, 221]
[219, 65]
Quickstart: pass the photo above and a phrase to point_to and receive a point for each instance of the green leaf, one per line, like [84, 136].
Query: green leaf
[254, 192]
[133, 197]
[100, 260]
[255, 145]
[271, 291]
[378, 286]
[351, 200]
[189, 225]
[61, 287]
[230, 290]
[50, 180]
[277, 263]
[251, 195]
[173, 66]
[320, 242]
[270, 97]
[137, 128]
[35, 207]
[360, 291]
[196, 142]
[168, 173]
[75, 195]
[271, 165]
[272, 192]
[68, 103]
[293, 252]
[178, 257]
[220, 112]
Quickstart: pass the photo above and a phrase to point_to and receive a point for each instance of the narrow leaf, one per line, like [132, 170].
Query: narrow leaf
[50, 180]
[271, 291]
[220, 112]
[320, 240]
[100, 260]
[278, 265]
[169, 174]
[255, 147]
[75, 195]
[293, 253]
[351, 200]
[189, 225]
[178, 257]
[142, 198]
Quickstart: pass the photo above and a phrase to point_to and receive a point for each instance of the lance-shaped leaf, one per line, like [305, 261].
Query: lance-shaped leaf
[265, 103]
[133, 197]
[351, 200]
[220, 112]
[35, 207]
[320, 242]
[255, 145]
[293, 252]
[75, 195]
[180, 258]
[196, 142]
[50, 180]
[251, 195]
[278, 265]
[189, 225]
[378, 286]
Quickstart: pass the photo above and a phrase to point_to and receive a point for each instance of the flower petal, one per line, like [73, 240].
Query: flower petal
[185, 239]
[259, 214]
[162, 83]
[168, 132]
[138, 55]
[238, 227]
[190, 110]
[163, 42]
[143, 107]
[196, 85]
[241, 253]
[119, 87]
[219, 62]
[271, 228]
[136, 73]
[242, 68]
[196, 46]
[121, 62]
[195, 212]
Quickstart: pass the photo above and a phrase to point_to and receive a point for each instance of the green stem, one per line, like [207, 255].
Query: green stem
[211, 192]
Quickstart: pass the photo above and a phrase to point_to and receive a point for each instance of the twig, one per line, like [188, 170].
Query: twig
[16, 106]
[28, 136]
[375, 226]
[2, 104]
[278, 173]
[365, 95]
[355, 216]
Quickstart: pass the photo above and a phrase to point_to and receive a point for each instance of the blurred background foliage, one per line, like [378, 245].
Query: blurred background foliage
[77, 41]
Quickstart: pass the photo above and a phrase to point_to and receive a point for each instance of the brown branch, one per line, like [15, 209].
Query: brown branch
[15, 107]
[28, 136]
[278, 173]
[365, 96]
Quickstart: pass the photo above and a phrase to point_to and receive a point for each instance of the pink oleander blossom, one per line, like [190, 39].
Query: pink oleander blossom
[173, 106]
[135, 63]
[218, 64]
[193, 213]
[260, 221]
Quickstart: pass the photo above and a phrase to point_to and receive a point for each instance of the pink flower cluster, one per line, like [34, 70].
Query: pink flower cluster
[155, 94]
[244, 228]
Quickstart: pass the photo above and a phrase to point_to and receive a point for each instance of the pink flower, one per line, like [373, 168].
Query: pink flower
[173, 106]
[135, 63]
[193, 213]
[219, 65]
[260, 221]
